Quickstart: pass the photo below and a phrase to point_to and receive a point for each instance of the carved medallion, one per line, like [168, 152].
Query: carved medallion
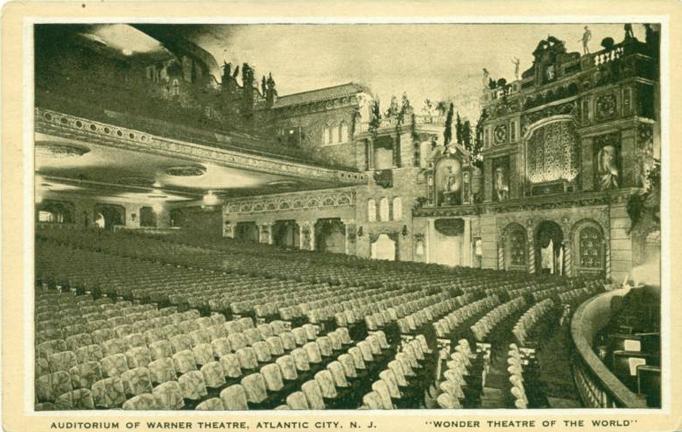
[501, 134]
[606, 106]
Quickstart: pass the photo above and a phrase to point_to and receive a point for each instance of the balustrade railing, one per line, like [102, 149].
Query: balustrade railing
[597, 386]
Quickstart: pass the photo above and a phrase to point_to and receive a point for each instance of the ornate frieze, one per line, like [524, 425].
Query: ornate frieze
[567, 108]
[560, 201]
[68, 126]
[308, 200]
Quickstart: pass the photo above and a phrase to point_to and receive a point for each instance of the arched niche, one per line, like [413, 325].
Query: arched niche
[53, 211]
[111, 214]
[330, 235]
[448, 182]
[246, 231]
[285, 233]
[514, 243]
[589, 248]
[549, 248]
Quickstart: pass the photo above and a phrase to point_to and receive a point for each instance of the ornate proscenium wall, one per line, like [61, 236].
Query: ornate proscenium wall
[304, 209]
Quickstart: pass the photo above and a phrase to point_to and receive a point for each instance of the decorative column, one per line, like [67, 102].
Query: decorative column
[265, 233]
[607, 258]
[349, 234]
[468, 252]
[531, 247]
[430, 229]
[568, 258]
[500, 256]
[306, 234]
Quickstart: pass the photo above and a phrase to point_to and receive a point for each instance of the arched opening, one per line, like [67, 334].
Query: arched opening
[397, 208]
[383, 248]
[343, 132]
[55, 212]
[515, 247]
[590, 248]
[285, 233]
[549, 249]
[147, 217]
[108, 216]
[246, 231]
[330, 236]
[371, 210]
[384, 210]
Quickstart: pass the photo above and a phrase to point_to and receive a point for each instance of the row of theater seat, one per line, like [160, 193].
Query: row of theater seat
[433, 301]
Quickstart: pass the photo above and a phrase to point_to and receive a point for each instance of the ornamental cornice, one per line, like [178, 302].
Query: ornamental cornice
[305, 200]
[562, 201]
[73, 127]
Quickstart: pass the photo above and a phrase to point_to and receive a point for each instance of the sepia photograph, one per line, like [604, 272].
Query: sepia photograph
[347, 216]
[292, 216]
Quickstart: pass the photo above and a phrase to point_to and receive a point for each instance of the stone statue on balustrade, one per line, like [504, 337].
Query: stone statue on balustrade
[607, 168]
[629, 34]
[587, 37]
[501, 184]
[517, 64]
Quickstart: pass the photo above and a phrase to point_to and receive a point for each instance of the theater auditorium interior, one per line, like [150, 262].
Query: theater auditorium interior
[203, 242]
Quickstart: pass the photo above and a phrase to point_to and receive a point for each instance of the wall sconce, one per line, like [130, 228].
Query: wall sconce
[404, 231]
[360, 233]
[133, 216]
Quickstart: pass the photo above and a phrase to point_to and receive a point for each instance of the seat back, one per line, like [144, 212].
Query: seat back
[145, 402]
[231, 366]
[313, 394]
[169, 396]
[108, 393]
[297, 401]
[212, 404]
[162, 370]
[447, 401]
[254, 386]
[273, 377]
[346, 361]
[381, 388]
[325, 380]
[247, 358]
[338, 373]
[389, 377]
[137, 381]
[193, 385]
[114, 365]
[184, 361]
[372, 400]
[234, 398]
[213, 374]
[288, 367]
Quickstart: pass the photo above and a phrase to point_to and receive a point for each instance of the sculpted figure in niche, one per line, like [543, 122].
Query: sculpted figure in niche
[452, 186]
[501, 184]
[607, 168]
[466, 188]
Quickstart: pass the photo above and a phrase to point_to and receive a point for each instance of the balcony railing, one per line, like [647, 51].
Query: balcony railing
[597, 386]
